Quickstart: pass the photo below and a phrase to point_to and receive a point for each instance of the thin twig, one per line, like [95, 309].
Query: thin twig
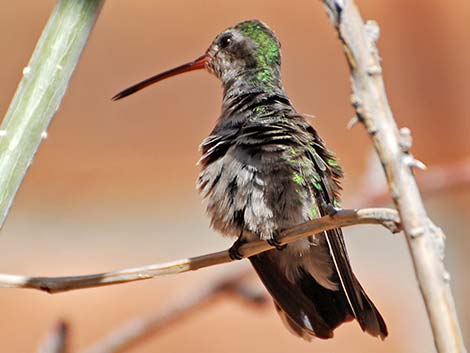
[138, 330]
[444, 177]
[386, 217]
[40, 91]
[425, 240]
[56, 340]
[373, 190]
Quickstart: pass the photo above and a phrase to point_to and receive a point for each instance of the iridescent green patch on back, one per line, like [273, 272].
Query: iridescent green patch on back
[268, 47]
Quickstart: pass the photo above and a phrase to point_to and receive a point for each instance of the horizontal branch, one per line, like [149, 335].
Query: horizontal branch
[386, 217]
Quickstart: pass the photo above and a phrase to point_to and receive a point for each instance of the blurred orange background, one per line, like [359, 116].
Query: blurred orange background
[113, 184]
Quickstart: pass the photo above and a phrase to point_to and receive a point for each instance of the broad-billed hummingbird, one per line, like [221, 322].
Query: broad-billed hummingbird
[264, 169]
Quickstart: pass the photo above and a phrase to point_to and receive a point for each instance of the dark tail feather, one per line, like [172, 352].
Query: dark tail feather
[309, 309]
[361, 306]
[369, 317]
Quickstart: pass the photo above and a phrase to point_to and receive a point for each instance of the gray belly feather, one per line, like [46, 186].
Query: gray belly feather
[257, 193]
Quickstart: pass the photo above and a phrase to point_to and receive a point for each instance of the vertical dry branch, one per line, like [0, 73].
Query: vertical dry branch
[425, 240]
[40, 91]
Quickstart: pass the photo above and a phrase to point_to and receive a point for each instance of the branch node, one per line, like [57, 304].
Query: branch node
[405, 140]
[355, 101]
[374, 70]
[361, 115]
[438, 239]
[372, 29]
[394, 193]
[412, 162]
[416, 232]
[392, 227]
[352, 122]
[372, 130]
[446, 276]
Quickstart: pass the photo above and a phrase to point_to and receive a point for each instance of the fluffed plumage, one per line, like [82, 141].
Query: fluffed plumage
[265, 169]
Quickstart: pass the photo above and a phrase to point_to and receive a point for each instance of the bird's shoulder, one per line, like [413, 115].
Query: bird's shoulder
[312, 162]
[285, 133]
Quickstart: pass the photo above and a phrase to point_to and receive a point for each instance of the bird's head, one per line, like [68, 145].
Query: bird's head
[248, 47]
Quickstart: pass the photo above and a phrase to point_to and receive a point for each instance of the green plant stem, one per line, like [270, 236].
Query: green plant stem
[41, 90]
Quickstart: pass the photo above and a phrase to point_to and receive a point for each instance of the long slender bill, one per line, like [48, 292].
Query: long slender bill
[199, 63]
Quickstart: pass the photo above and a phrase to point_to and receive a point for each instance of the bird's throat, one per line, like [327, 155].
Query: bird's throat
[256, 81]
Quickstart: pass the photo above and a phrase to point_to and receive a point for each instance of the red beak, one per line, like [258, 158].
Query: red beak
[199, 63]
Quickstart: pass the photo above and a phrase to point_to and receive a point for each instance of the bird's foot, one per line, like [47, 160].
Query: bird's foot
[234, 250]
[274, 242]
[331, 210]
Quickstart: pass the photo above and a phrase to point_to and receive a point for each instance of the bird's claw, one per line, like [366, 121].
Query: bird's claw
[274, 242]
[234, 251]
[330, 209]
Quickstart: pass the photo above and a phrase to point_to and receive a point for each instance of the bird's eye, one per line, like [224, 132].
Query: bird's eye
[225, 41]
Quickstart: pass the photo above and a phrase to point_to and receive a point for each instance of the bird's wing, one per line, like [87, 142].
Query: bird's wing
[327, 194]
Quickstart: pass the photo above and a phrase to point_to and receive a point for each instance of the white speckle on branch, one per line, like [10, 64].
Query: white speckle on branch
[26, 70]
[3, 133]
[44, 135]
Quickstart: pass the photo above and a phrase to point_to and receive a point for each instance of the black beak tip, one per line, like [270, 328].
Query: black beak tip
[121, 95]
[131, 90]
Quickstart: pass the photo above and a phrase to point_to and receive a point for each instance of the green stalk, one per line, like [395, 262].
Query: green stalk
[41, 90]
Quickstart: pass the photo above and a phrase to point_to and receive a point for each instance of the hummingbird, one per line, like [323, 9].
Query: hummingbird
[264, 169]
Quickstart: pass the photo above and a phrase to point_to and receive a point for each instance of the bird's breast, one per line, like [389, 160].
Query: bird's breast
[252, 190]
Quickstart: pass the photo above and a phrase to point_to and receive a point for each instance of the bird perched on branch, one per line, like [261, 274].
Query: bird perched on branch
[264, 169]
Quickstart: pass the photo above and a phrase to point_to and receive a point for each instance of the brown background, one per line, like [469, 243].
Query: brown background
[113, 185]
